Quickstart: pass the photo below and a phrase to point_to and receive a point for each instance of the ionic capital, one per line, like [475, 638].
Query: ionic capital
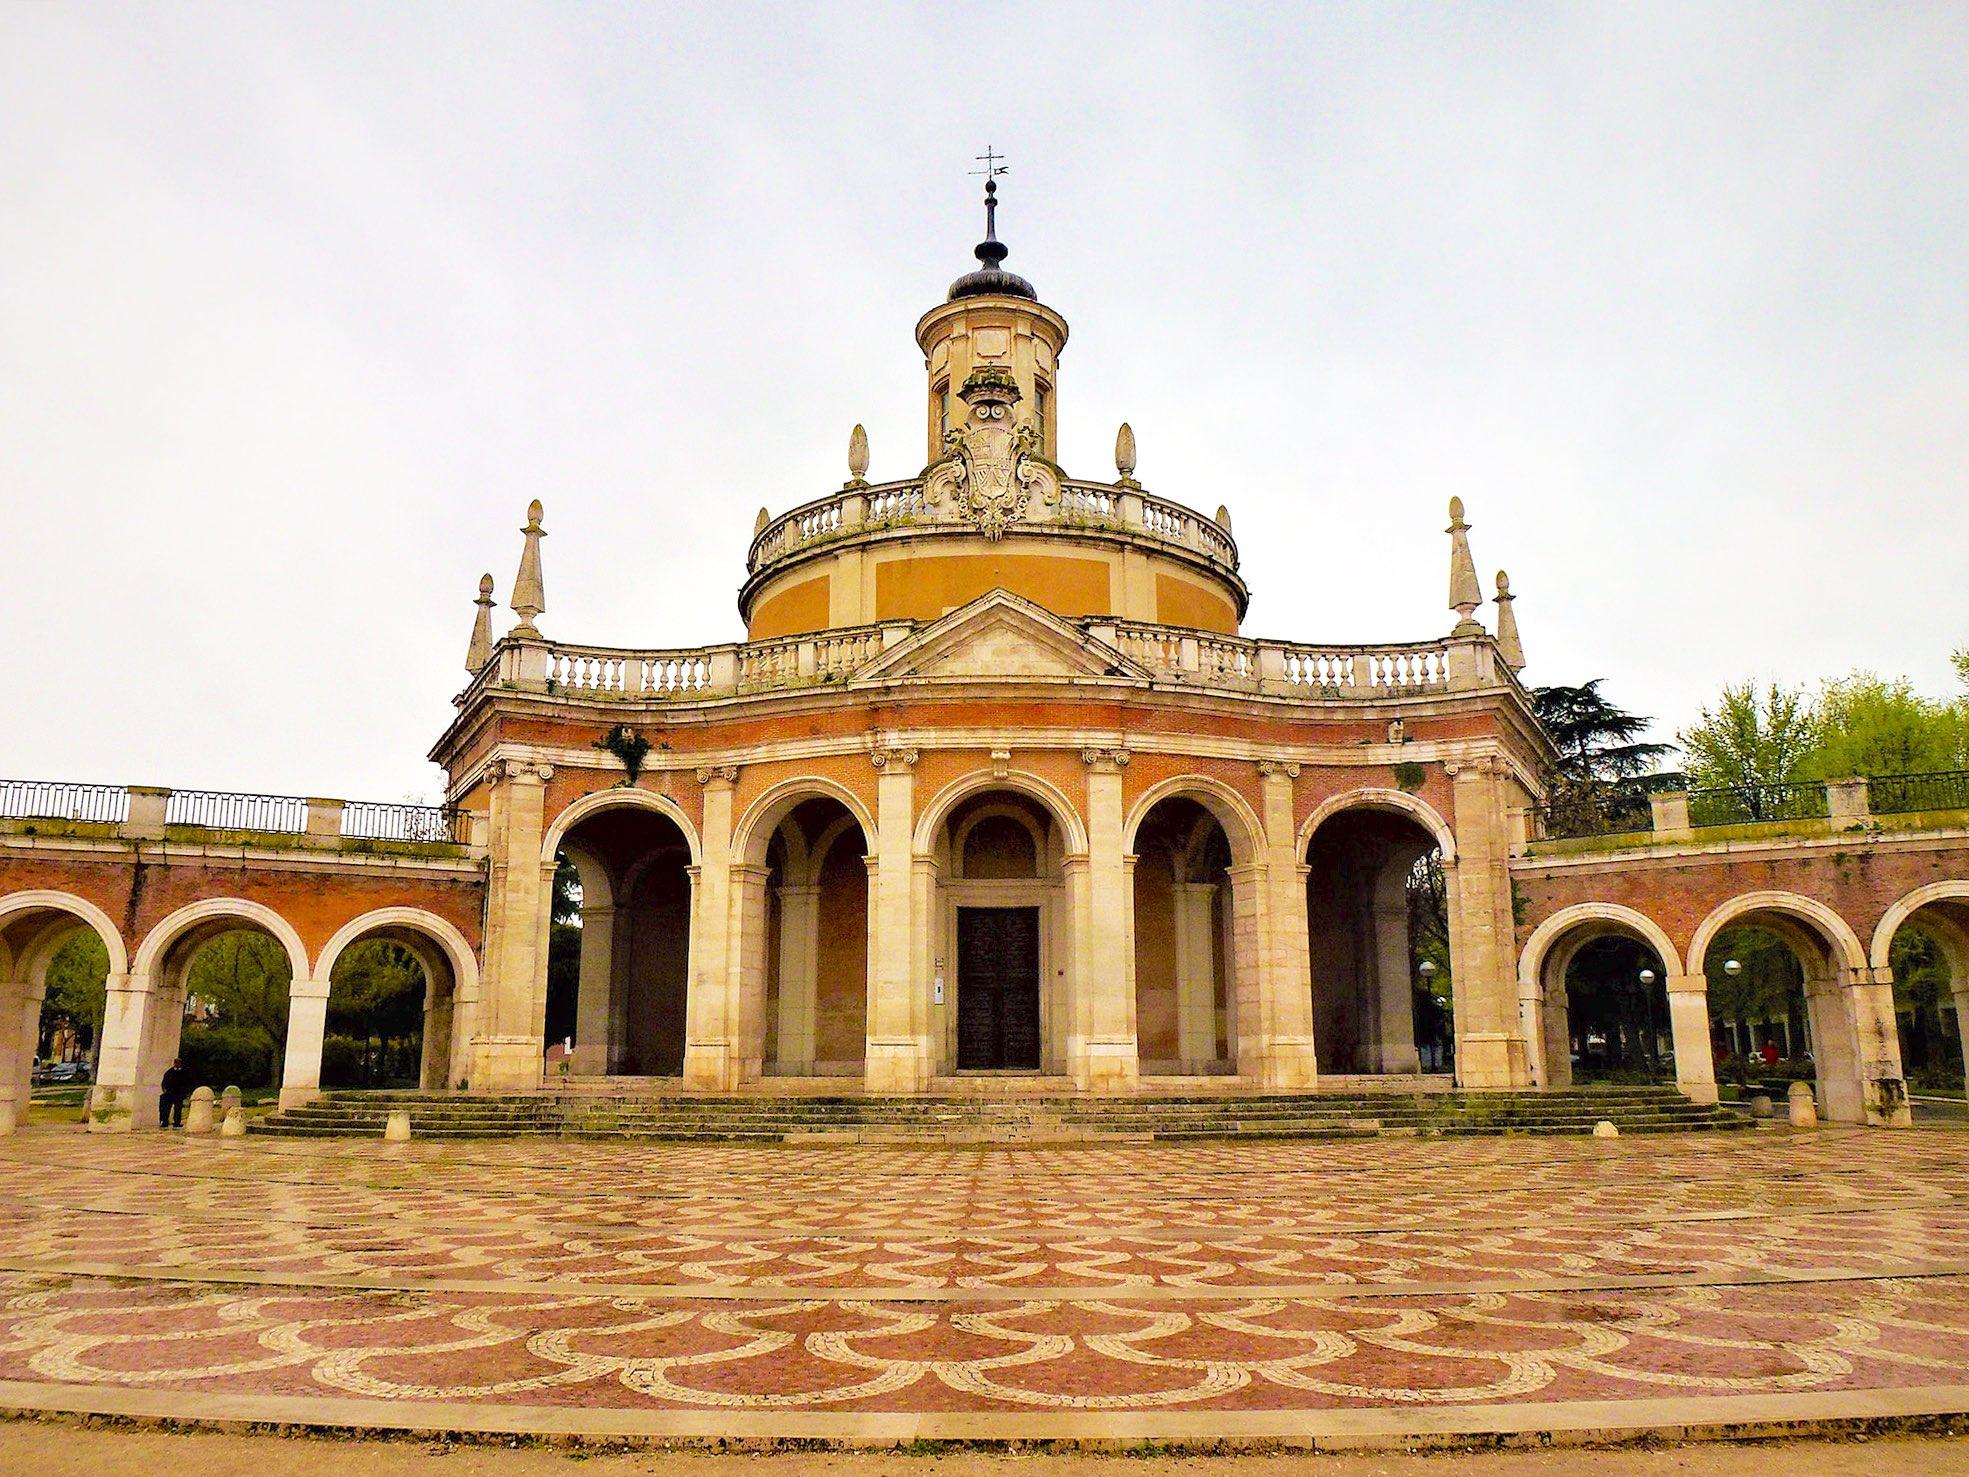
[1273, 769]
[1105, 761]
[726, 774]
[893, 757]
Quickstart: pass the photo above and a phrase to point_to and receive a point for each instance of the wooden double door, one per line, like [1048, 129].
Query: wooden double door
[998, 990]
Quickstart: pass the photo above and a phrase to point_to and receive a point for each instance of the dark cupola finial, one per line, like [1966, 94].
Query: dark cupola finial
[991, 279]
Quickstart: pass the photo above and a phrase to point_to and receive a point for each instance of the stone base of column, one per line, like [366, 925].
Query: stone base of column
[112, 1109]
[1109, 1067]
[505, 1064]
[1400, 1060]
[588, 1061]
[1886, 1103]
[895, 1065]
[1283, 1064]
[710, 1067]
[1492, 1059]
[299, 1097]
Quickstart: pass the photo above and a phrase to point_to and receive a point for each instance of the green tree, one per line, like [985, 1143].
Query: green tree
[1751, 740]
[1601, 757]
[244, 977]
[376, 1003]
[76, 995]
[564, 953]
[1868, 725]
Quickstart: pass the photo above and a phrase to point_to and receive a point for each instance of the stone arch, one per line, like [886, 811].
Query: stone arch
[423, 934]
[157, 943]
[1543, 967]
[1827, 927]
[440, 931]
[966, 822]
[1375, 798]
[46, 919]
[1066, 815]
[1548, 933]
[79, 908]
[763, 816]
[619, 799]
[1233, 812]
[1902, 909]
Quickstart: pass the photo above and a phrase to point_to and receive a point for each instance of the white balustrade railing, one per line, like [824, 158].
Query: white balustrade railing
[888, 504]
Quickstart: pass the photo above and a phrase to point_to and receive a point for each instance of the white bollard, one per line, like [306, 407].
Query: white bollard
[396, 1128]
[1761, 1107]
[233, 1125]
[1804, 1110]
[1605, 1129]
[228, 1100]
[198, 1112]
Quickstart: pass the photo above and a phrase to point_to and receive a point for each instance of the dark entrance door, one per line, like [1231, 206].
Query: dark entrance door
[998, 989]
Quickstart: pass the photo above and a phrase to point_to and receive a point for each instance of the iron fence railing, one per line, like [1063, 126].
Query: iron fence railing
[1899, 794]
[52, 800]
[223, 810]
[1736, 805]
[1607, 814]
[382, 821]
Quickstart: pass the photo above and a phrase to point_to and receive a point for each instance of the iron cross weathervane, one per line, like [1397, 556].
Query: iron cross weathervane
[994, 165]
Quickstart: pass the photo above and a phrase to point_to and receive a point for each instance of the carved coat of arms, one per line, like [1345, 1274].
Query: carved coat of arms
[991, 468]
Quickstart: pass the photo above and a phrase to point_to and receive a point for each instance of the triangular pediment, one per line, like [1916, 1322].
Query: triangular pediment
[999, 635]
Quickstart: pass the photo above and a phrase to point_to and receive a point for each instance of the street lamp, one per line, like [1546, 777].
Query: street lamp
[1732, 968]
[1427, 969]
[1647, 976]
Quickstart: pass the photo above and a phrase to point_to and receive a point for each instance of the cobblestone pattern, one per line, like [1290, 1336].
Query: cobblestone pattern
[1208, 1278]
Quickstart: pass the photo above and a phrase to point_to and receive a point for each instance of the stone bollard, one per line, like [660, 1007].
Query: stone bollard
[198, 1112]
[1605, 1129]
[1804, 1111]
[233, 1125]
[396, 1128]
[229, 1100]
[1760, 1106]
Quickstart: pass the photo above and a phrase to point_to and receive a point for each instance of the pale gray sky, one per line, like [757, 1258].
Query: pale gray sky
[300, 304]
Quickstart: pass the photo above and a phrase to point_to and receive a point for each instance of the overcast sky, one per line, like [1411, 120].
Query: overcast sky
[300, 304]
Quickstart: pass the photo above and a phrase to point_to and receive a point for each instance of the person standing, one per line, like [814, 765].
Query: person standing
[171, 1105]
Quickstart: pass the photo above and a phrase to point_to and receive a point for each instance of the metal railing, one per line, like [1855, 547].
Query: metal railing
[53, 800]
[375, 820]
[1901, 794]
[1605, 814]
[1738, 805]
[226, 810]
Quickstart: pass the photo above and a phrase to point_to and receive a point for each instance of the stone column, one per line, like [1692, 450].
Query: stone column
[511, 1017]
[1688, 1025]
[799, 948]
[1883, 1080]
[711, 1015]
[1554, 1031]
[1394, 990]
[594, 1012]
[1275, 1041]
[1490, 1042]
[748, 964]
[307, 1025]
[1959, 992]
[116, 1104]
[1192, 905]
[897, 1055]
[434, 1064]
[1108, 1060]
[20, 1033]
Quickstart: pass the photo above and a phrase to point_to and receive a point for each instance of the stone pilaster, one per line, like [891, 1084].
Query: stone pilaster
[1276, 1052]
[1688, 1025]
[20, 1006]
[748, 965]
[1193, 908]
[1883, 1082]
[799, 948]
[897, 1055]
[1490, 1040]
[512, 1011]
[1103, 957]
[307, 1027]
[594, 1006]
[116, 1103]
[712, 1013]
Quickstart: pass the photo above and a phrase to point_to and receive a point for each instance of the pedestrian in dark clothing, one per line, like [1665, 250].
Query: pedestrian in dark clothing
[175, 1088]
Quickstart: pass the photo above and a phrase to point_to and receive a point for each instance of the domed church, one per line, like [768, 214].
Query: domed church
[996, 796]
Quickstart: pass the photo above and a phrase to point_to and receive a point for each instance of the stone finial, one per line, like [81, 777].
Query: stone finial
[529, 591]
[1508, 644]
[1124, 454]
[858, 457]
[1464, 594]
[480, 651]
[759, 523]
[1223, 519]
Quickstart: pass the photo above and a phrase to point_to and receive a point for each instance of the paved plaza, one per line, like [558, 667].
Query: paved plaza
[1293, 1291]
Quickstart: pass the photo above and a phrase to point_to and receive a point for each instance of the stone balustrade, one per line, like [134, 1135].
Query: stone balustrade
[1681, 815]
[903, 504]
[1204, 659]
[141, 812]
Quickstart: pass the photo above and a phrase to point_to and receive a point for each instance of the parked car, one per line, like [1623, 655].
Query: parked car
[62, 1072]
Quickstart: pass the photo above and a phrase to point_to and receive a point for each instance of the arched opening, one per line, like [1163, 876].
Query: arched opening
[1000, 941]
[1785, 982]
[1378, 939]
[392, 998]
[54, 964]
[815, 958]
[1607, 1016]
[1924, 940]
[1187, 958]
[627, 948]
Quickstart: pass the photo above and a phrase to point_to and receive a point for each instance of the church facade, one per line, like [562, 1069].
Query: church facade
[995, 789]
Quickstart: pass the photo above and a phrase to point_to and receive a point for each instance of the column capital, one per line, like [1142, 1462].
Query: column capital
[1273, 769]
[751, 872]
[1687, 984]
[1105, 761]
[897, 758]
[717, 774]
[502, 767]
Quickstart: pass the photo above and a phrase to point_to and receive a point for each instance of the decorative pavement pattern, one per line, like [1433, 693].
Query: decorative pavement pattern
[1229, 1278]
